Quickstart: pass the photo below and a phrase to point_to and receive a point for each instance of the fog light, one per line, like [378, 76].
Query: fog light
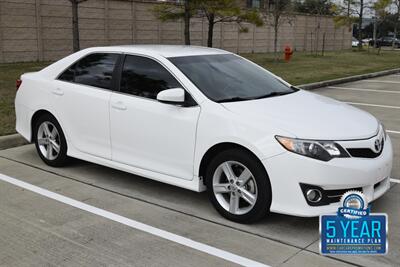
[314, 195]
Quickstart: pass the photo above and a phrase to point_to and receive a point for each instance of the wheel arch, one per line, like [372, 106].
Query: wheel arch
[218, 148]
[36, 115]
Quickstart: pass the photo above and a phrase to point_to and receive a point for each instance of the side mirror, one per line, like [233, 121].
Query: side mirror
[172, 96]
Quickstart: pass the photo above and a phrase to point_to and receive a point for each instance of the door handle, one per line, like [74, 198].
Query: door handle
[119, 106]
[58, 91]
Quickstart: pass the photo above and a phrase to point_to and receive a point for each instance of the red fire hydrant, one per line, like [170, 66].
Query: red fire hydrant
[288, 53]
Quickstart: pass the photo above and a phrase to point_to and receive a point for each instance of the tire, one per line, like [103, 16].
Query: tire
[47, 136]
[220, 189]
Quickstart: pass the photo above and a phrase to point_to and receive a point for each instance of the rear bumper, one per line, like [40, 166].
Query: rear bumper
[23, 117]
[288, 170]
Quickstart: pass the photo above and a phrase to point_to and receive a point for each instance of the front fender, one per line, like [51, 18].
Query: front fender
[217, 125]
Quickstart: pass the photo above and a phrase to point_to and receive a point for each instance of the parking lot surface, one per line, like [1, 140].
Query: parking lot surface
[89, 215]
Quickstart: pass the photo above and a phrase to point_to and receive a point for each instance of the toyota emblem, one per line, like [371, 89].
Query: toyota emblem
[378, 145]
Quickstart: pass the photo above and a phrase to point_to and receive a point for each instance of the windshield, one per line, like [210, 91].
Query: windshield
[227, 77]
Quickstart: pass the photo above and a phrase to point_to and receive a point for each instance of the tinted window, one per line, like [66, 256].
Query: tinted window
[145, 77]
[227, 77]
[94, 70]
[68, 74]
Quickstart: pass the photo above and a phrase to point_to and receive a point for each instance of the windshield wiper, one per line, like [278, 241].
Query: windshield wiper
[272, 94]
[233, 99]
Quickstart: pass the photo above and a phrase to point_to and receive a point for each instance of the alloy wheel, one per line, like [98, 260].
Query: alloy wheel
[235, 187]
[48, 139]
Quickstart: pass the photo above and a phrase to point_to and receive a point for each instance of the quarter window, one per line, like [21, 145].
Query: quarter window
[94, 70]
[145, 77]
[68, 74]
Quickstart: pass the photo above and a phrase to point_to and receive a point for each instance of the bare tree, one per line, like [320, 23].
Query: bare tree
[174, 11]
[381, 14]
[320, 8]
[220, 11]
[75, 24]
[360, 22]
[186, 18]
[277, 14]
[349, 12]
[215, 11]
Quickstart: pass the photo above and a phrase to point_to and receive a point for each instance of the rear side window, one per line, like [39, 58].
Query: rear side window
[94, 70]
[145, 77]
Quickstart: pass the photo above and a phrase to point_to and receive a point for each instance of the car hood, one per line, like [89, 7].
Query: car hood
[308, 115]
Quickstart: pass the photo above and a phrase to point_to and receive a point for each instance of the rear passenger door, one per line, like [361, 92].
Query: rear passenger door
[81, 95]
[146, 133]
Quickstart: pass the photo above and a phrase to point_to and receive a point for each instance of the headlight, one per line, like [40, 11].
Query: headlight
[322, 150]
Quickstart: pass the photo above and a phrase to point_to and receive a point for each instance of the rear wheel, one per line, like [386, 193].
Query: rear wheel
[238, 186]
[50, 141]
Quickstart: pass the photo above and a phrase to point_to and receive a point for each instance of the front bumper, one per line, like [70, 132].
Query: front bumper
[288, 170]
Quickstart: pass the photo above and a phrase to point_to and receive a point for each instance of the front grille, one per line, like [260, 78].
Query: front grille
[364, 152]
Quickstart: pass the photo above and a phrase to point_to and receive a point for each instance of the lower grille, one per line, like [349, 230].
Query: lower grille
[377, 184]
[335, 195]
[328, 196]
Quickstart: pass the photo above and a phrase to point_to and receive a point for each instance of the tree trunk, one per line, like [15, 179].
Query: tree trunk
[360, 25]
[75, 26]
[396, 23]
[276, 28]
[348, 15]
[210, 30]
[276, 42]
[187, 22]
[374, 33]
[317, 35]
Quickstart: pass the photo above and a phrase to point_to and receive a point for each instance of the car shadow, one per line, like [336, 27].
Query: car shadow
[286, 229]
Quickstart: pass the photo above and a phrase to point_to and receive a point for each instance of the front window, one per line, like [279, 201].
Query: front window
[227, 78]
[145, 77]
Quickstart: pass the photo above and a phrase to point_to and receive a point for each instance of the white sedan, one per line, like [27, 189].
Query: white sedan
[205, 119]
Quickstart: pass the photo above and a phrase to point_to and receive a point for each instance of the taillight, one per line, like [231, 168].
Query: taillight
[18, 83]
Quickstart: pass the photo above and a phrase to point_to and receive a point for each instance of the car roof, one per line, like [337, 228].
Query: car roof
[162, 50]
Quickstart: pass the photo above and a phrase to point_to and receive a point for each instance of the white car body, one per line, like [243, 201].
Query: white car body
[167, 143]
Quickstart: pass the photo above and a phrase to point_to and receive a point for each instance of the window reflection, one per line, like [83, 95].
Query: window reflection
[94, 70]
[145, 77]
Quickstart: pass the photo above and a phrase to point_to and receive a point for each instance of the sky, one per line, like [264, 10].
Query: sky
[368, 12]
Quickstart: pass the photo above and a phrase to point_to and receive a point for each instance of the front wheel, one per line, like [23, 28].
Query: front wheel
[238, 186]
[50, 141]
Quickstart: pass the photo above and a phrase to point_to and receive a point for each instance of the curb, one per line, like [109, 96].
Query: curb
[311, 86]
[13, 140]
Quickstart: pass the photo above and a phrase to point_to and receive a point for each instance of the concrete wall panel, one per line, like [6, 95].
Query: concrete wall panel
[42, 29]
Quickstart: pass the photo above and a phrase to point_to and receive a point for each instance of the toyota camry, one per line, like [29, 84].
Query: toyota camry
[205, 119]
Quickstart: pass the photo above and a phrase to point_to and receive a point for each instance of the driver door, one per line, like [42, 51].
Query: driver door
[146, 133]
